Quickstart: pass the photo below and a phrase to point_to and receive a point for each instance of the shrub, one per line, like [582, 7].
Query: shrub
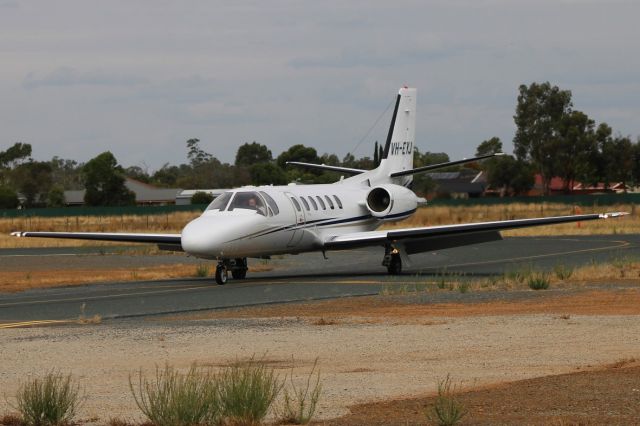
[446, 410]
[178, 399]
[247, 391]
[202, 270]
[563, 272]
[51, 400]
[538, 281]
[201, 197]
[299, 403]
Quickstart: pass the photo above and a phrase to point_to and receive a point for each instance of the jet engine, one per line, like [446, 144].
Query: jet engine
[391, 201]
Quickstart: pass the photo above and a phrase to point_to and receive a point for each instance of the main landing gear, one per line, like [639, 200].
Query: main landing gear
[392, 260]
[238, 268]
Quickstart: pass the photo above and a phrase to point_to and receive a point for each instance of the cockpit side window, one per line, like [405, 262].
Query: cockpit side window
[221, 201]
[250, 201]
[271, 202]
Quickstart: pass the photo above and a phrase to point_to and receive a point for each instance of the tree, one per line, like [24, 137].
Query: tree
[137, 173]
[196, 155]
[267, 174]
[33, 180]
[55, 197]
[8, 198]
[252, 153]
[489, 146]
[575, 146]
[539, 112]
[16, 153]
[512, 176]
[104, 182]
[10, 158]
[201, 197]
[300, 153]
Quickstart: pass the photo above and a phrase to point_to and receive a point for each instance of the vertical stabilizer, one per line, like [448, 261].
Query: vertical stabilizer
[398, 151]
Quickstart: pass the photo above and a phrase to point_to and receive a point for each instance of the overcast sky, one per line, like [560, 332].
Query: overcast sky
[140, 77]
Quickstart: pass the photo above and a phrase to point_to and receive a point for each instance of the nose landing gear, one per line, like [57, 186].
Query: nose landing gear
[238, 268]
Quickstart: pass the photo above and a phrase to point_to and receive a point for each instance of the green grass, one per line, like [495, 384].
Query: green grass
[446, 410]
[51, 400]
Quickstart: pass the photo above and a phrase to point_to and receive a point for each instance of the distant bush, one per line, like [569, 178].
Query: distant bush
[563, 272]
[8, 198]
[538, 281]
[51, 400]
[201, 197]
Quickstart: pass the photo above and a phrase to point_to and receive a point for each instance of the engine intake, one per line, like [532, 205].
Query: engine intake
[389, 202]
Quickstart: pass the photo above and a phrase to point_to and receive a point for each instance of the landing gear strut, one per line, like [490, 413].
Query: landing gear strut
[238, 268]
[392, 260]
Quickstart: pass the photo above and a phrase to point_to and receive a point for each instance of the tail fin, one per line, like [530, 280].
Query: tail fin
[398, 151]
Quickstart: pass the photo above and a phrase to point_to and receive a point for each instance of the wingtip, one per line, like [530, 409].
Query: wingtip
[613, 214]
[16, 234]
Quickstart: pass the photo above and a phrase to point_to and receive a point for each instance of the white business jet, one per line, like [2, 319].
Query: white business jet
[261, 221]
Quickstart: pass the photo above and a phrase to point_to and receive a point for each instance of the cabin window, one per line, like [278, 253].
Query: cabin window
[221, 201]
[338, 201]
[272, 204]
[321, 203]
[304, 202]
[248, 201]
[296, 203]
[313, 203]
[330, 202]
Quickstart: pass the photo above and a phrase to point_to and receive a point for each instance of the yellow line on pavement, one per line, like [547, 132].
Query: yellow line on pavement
[33, 323]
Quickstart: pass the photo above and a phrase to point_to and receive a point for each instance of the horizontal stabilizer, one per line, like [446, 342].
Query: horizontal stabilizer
[346, 170]
[443, 165]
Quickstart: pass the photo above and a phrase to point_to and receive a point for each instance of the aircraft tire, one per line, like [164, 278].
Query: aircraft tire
[221, 274]
[395, 265]
[239, 271]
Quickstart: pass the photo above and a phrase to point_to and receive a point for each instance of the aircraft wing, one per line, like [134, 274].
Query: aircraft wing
[160, 239]
[417, 240]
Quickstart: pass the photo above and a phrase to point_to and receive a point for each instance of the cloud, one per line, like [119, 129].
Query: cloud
[66, 76]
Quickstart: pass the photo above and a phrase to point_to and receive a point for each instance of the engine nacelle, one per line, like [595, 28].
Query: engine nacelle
[389, 202]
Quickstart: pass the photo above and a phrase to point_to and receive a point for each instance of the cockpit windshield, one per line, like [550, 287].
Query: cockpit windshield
[220, 202]
[248, 200]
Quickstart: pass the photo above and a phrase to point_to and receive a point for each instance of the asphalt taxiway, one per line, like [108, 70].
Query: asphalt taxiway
[291, 279]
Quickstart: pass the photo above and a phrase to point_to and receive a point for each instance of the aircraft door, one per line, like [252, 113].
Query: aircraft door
[298, 211]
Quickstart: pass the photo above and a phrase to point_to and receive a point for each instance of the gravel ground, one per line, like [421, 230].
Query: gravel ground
[360, 362]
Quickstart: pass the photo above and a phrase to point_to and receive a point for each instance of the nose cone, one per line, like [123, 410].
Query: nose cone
[215, 236]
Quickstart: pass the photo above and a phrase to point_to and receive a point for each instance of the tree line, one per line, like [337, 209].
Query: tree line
[552, 139]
